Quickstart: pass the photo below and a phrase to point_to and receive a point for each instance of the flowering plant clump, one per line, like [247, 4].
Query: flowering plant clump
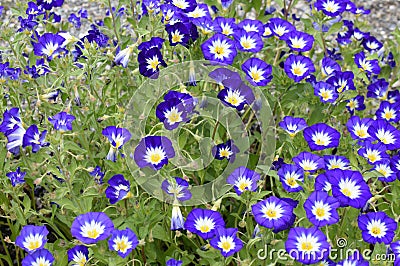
[190, 132]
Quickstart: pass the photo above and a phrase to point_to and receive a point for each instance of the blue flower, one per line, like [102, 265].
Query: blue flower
[154, 152]
[91, 227]
[118, 189]
[123, 241]
[226, 241]
[16, 177]
[50, 45]
[219, 49]
[243, 179]
[34, 138]
[258, 72]
[117, 137]
[62, 121]
[78, 255]
[225, 150]
[39, 257]
[32, 238]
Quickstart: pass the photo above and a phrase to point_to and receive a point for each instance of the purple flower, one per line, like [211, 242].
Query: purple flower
[290, 175]
[331, 8]
[389, 111]
[321, 209]
[203, 222]
[34, 138]
[154, 152]
[279, 27]
[178, 33]
[248, 41]
[49, 44]
[226, 3]
[356, 103]
[329, 66]
[326, 92]
[298, 67]
[226, 241]
[185, 5]
[225, 150]
[243, 179]
[298, 41]
[322, 183]
[371, 44]
[49, 4]
[358, 128]
[342, 81]
[123, 241]
[374, 153]
[384, 132]
[122, 57]
[153, 42]
[62, 121]
[172, 113]
[321, 136]
[178, 189]
[39, 257]
[378, 89]
[98, 175]
[118, 189]
[309, 162]
[251, 25]
[369, 66]
[78, 255]
[349, 188]
[16, 177]
[173, 262]
[336, 162]
[200, 12]
[307, 246]
[32, 238]
[355, 259]
[222, 74]
[91, 227]
[273, 213]
[75, 20]
[236, 94]
[293, 125]
[226, 26]
[219, 49]
[177, 221]
[258, 73]
[149, 62]
[384, 167]
[377, 227]
[117, 137]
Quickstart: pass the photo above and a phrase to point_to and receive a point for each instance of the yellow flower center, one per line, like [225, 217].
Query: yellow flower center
[204, 228]
[376, 230]
[361, 133]
[219, 50]
[307, 246]
[155, 158]
[93, 234]
[226, 246]
[121, 246]
[271, 213]
[291, 181]
[33, 245]
[320, 212]
[346, 192]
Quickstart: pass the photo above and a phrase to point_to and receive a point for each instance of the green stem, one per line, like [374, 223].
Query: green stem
[113, 21]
